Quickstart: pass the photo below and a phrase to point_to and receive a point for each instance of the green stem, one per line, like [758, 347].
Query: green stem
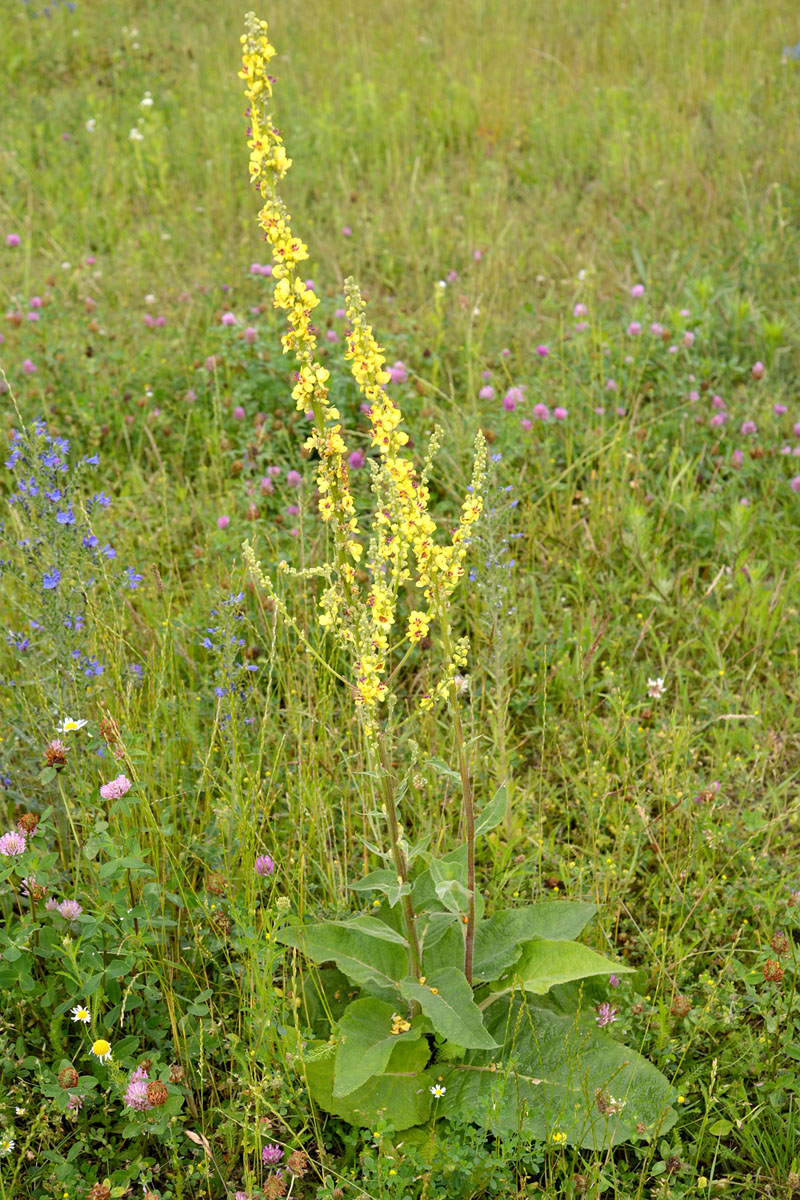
[469, 802]
[401, 866]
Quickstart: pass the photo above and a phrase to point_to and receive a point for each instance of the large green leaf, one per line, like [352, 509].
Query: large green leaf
[446, 998]
[558, 1075]
[446, 947]
[324, 992]
[498, 939]
[373, 927]
[375, 964]
[544, 963]
[401, 1093]
[365, 1043]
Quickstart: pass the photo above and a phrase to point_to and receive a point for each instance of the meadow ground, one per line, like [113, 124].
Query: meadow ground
[575, 227]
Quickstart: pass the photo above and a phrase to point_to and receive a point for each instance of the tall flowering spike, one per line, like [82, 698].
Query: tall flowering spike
[401, 546]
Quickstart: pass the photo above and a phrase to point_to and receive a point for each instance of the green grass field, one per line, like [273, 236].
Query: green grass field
[575, 229]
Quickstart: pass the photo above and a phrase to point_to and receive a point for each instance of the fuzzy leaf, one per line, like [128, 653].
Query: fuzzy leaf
[365, 1043]
[545, 963]
[558, 1075]
[498, 939]
[375, 964]
[451, 1007]
[400, 1092]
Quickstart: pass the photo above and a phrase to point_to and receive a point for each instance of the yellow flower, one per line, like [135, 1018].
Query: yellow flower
[357, 608]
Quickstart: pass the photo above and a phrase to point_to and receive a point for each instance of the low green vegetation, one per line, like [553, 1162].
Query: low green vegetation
[507, 906]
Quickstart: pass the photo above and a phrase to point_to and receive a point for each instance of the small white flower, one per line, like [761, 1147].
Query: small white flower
[146, 101]
[442, 284]
[438, 1090]
[655, 688]
[69, 725]
[149, 298]
[136, 135]
[20, 1111]
[7, 1144]
[91, 125]
[80, 1013]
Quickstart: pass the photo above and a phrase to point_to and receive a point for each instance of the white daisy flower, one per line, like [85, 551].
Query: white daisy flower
[101, 1049]
[80, 1013]
[438, 1090]
[655, 688]
[70, 725]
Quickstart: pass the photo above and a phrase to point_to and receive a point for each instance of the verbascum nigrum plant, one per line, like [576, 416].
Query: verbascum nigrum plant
[496, 1019]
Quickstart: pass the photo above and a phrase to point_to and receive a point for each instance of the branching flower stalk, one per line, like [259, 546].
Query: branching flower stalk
[398, 550]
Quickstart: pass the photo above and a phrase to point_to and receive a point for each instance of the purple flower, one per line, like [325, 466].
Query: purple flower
[794, 484]
[250, 335]
[738, 457]
[718, 420]
[526, 424]
[294, 479]
[613, 980]
[398, 372]
[605, 1014]
[580, 310]
[264, 865]
[717, 403]
[634, 329]
[228, 318]
[332, 336]
[486, 392]
[223, 522]
[656, 329]
[748, 427]
[779, 409]
[560, 414]
[12, 844]
[28, 366]
[356, 459]
[13, 239]
[541, 412]
[347, 231]
[70, 910]
[271, 1154]
[757, 370]
[611, 385]
[239, 413]
[542, 351]
[688, 339]
[133, 579]
[136, 1091]
[512, 398]
[116, 789]
[66, 518]
[340, 312]
[637, 291]
[51, 579]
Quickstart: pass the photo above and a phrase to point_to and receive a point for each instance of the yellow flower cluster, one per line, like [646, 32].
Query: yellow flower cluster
[402, 546]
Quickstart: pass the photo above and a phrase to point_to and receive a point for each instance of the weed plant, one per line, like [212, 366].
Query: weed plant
[573, 235]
